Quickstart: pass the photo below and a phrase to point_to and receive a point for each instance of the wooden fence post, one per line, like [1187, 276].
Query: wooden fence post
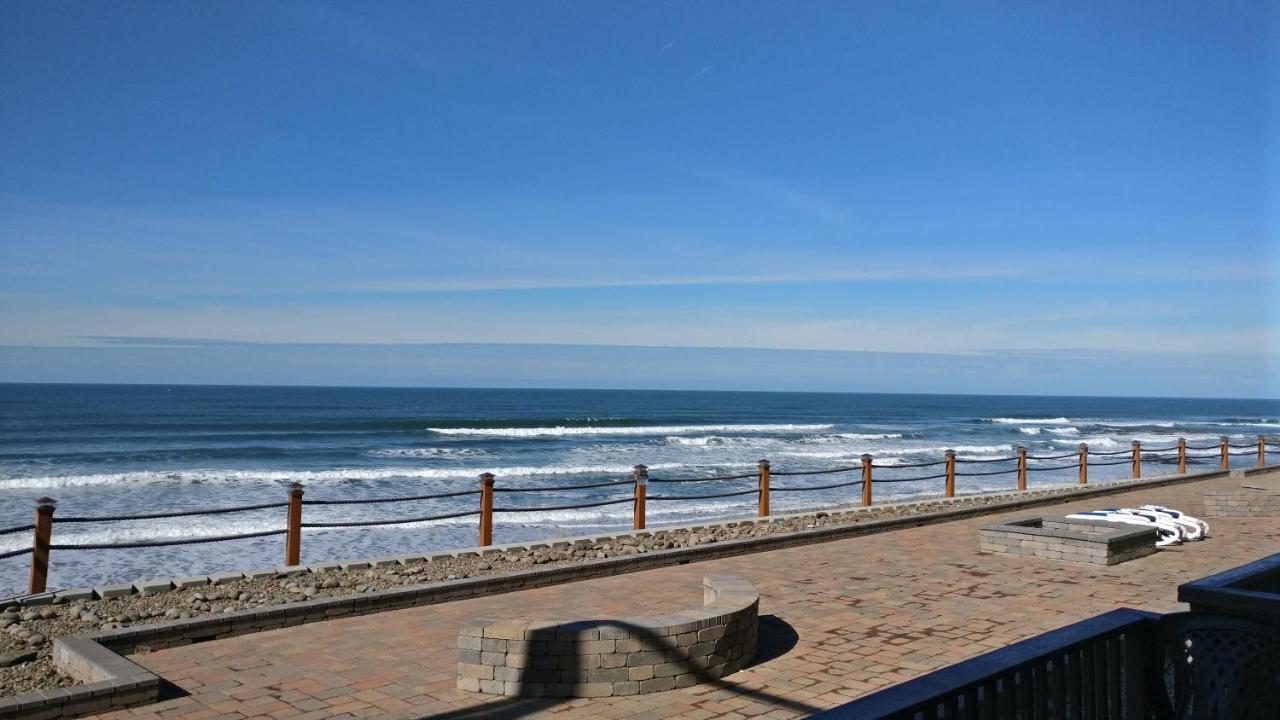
[40, 546]
[1224, 442]
[1022, 467]
[1084, 464]
[486, 509]
[1182, 456]
[641, 473]
[1137, 459]
[866, 480]
[1262, 450]
[763, 510]
[950, 490]
[293, 527]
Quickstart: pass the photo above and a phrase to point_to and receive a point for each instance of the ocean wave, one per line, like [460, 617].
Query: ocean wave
[428, 452]
[1030, 421]
[563, 431]
[701, 441]
[339, 475]
[868, 436]
[1065, 431]
[942, 449]
[1029, 430]
[1135, 423]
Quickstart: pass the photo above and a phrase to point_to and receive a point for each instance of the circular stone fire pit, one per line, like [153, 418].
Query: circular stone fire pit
[600, 658]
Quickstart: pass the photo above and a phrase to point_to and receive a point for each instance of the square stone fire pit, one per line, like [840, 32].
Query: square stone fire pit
[1088, 541]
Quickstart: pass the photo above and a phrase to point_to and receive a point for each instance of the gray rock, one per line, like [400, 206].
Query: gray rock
[17, 657]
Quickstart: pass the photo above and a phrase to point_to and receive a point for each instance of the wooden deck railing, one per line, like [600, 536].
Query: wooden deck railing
[761, 486]
[1091, 669]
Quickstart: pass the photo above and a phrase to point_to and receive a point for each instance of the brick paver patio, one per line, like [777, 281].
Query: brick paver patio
[838, 620]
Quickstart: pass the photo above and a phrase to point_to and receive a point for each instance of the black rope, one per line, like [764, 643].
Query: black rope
[554, 488]
[1205, 447]
[1007, 459]
[14, 553]
[1113, 452]
[175, 513]
[816, 487]
[1246, 452]
[909, 465]
[1055, 467]
[1240, 447]
[397, 521]
[703, 497]
[567, 507]
[908, 479]
[994, 472]
[1052, 457]
[705, 479]
[1116, 462]
[164, 543]
[818, 472]
[406, 498]
[17, 529]
[1168, 449]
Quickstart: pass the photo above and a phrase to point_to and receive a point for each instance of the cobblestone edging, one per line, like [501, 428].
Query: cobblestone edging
[141, 638]
[1058, 538]
[600, 658]
[110, 681]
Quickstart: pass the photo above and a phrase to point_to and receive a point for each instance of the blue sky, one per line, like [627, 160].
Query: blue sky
[1025, 180]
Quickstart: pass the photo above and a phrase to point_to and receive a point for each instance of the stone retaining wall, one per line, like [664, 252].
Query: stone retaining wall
[600, 658]
[1056, 538]
[1253, 499]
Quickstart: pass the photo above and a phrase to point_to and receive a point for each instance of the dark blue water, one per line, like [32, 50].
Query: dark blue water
[132, 449]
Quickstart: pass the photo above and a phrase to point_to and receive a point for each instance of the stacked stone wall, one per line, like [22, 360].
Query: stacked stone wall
[1094, 542]
[1243, 502]
[602, 658]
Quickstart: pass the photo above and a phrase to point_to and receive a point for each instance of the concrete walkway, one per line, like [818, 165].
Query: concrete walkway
[838, 620]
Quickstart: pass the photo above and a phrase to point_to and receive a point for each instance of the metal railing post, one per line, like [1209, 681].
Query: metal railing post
[1022, 467]
[1084, 464]
[40, 546]
[950, 490]
[1262, 450]
[486, 509]
[1137, 459]
[1224, 443]
[641, 474]
[1182, 456]
[866, 480]
[763, 509]
[293, 526]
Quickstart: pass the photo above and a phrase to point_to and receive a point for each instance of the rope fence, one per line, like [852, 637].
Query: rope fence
[42, 528]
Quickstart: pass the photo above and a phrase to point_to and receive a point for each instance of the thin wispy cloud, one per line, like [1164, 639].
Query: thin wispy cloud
[700, 73]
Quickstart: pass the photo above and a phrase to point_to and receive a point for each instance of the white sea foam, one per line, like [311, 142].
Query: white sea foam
[1029, 430]
[562, 431]
[943, 448]
[1031, 421]
[428, 452]
[868, 436]
[1065, 431]
[282, 476]
[1135, 423]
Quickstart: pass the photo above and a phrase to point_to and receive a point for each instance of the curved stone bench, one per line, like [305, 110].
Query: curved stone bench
[600, 658]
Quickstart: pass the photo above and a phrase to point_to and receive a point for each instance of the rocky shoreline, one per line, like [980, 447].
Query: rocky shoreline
[27, 633]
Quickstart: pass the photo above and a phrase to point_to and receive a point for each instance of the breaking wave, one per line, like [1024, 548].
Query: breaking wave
[1030, 421]
[340, 475]
[566, 431]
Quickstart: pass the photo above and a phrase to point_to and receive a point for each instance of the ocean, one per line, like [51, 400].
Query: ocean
[128, 449]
